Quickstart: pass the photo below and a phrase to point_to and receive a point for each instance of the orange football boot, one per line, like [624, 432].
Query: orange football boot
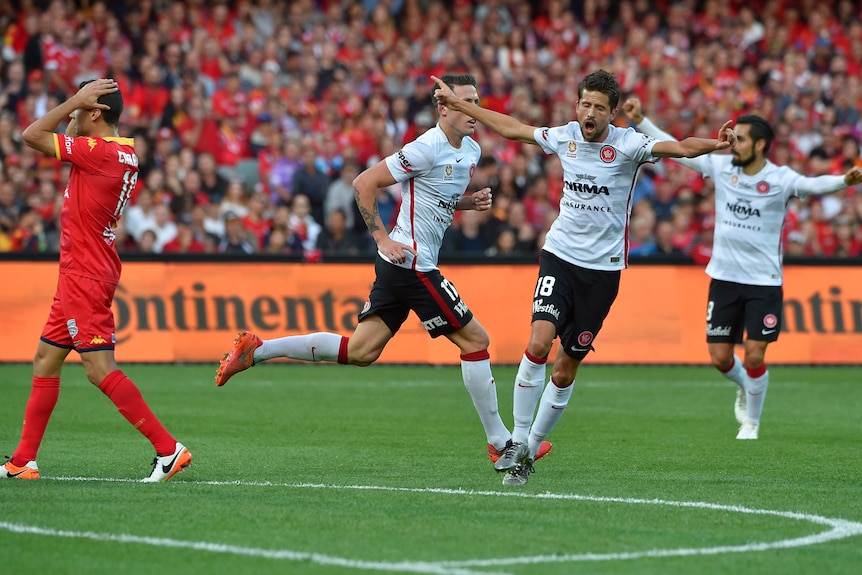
[10, 471]
[240, 358]
[494, 454]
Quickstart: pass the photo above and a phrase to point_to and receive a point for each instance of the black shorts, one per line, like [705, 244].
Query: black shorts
[734, 307]
[576, 300]
[435, 300]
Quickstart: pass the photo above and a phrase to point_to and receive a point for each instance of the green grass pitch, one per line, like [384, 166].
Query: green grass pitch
[315, 470]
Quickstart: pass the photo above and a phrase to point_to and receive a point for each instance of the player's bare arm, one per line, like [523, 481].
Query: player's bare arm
[726, 136]
[480, 201]
[694, 147]
[40, 134]
[632, 108]
[366, 185]
[506, 126]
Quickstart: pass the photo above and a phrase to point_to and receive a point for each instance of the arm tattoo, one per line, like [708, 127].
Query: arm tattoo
[369, 217]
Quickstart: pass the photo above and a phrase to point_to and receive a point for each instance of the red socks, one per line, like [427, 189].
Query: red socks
[536, 360]
[342, 350]
[756, 372]
[43, 398]
[476, 356]
[123, 392]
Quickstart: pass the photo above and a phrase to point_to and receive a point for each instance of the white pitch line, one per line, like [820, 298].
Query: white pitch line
[402, 567]
[839, 529]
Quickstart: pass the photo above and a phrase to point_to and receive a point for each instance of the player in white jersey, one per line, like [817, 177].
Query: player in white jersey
[584, 250]
[745, 292]
[434, 171]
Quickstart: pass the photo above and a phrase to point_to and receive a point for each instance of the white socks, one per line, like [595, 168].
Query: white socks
[736, 373]
[480, 385]
[554, 402]
[755, 394]
[320, 346]
[528, 390]
[754, 388]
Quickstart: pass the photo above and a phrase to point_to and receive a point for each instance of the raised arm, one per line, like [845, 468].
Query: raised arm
[40, 134]
[694, 147]
[506, 126]
[682, 151]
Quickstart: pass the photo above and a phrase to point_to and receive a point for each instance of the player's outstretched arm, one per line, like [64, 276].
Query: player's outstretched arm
[506, 126]
[365, 187]
[632, 108]
[40, 134]
[694, 147]
[826, 184]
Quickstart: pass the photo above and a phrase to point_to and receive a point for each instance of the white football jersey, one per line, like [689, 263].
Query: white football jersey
[749, 217]
[592, 229]
[749, 213]
[434, 177]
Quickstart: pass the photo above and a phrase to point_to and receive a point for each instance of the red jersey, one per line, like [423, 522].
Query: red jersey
[104, 173]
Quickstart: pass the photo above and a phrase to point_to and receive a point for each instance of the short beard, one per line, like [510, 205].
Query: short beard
[740, 163]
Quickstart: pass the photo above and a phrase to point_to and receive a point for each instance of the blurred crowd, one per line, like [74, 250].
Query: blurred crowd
[252, 117]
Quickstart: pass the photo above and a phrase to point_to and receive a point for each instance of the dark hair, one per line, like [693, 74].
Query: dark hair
[485, 161]
[453, 80]
[114, 100]
[604, 82]
[760, 130]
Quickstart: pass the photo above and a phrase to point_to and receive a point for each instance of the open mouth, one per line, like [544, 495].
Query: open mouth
[589, 125]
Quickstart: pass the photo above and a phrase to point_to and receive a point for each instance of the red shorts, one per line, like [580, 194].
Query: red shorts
[81, 317]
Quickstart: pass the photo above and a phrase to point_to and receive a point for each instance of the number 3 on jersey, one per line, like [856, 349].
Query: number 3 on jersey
[130, 178]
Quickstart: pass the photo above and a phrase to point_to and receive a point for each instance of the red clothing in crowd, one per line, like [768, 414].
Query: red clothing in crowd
[701, 253]
[259, 229]
[225, 103]
[16, 35]
[175, 246]
[63, 61]
[498, 102]
[148, 102]
[825, 237]
[231, 146]
[208, 141]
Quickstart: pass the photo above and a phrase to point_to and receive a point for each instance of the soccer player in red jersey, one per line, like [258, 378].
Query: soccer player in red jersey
[103, 175]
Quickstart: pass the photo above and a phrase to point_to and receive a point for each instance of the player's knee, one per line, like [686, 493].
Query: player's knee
[363, 358]
[753, 360]
[47, 365]
[478, 342]
[96, 374]
[721, 360]
[721, 364]
[563, 378]
[98, 365]
[539, 347]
